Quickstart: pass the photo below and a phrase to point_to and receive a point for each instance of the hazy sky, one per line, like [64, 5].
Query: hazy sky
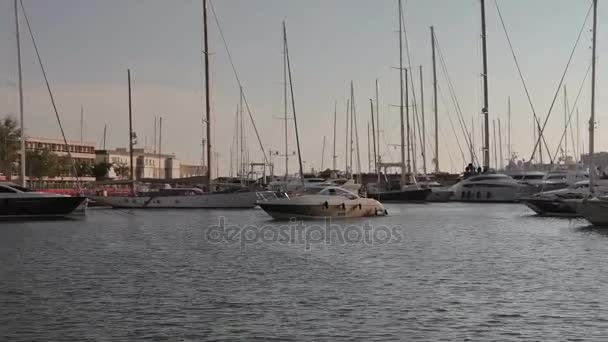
[88, 45]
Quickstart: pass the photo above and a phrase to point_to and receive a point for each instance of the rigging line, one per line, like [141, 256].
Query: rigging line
[454, 98]
[580, 89]
[451, 123]
[238, 81]
[560, 82]
[413, 88]
[48, 86]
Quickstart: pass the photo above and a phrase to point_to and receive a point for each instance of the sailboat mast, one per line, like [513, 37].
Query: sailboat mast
[509, 128]
[435, 101]
[500, 143]
[81, 123]
[565, 123]
[334, 156]
[242, 135]
[286, 108]
[494, 143]
[346, 141]
[375, 164]
[20, 85]
[378, 132]
[132, 167]
[592, 118]
[207, 95]
[293, 104]
[484, 110]
[423, 133]
[323, 154]
[403, 170]
[407, 123]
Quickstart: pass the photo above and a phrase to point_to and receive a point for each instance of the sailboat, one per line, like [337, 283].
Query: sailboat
[595, 209]
[186, 198]
[18, 202]
[406, 192]
[317, 201]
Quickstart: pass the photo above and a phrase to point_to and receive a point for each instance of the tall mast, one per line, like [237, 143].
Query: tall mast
[494, 143]
[370, 157]
[334, 156]
[242, 135]
[323, 155]
[565, 124]
[378, 131]
[407, 123]
[509, 128]
[346, 141]
[375, 164]
[20, 85]
[435, 102]
[207, 95]
[500, 144]
[293, 104]
[160, 148]
[354, 120]
[81, 123]
[132, 167]
[351, 141]
[285, 103]
[592, 118]
[423, 123]
[403, 170]
[484, 110]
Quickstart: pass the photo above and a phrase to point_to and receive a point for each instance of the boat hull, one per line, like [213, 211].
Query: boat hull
[287, 211]
[550, 207]
[416, 195]
[40, 207]
[220, 200]
[594, 211]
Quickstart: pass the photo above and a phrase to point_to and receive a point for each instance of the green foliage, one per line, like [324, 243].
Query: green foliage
[122, 170]
[43, 163]
[100, 170]
[10, 137]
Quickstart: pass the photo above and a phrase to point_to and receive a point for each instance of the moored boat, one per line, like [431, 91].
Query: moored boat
[334, 202]
[17, 202]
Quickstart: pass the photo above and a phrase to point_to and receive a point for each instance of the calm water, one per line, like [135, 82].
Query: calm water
[447, 272]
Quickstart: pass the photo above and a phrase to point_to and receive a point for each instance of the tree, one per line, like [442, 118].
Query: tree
[41, 164]
[100, 170]
[10, 137]
[122, 170]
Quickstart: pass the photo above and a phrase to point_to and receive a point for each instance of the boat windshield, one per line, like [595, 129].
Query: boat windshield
[334, 191]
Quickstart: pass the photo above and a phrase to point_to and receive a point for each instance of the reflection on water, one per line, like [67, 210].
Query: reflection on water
[459, 271]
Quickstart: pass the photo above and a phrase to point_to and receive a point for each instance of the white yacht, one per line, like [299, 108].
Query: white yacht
[487, 187]
[181, 198]
[19, 202]
[594, 210]
[332, 202]
[561, 202]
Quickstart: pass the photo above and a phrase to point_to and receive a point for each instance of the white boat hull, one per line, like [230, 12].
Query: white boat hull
[219, 200]
[593, 210]
[485, 194]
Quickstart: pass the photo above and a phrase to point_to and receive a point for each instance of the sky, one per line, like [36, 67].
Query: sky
[88, 45]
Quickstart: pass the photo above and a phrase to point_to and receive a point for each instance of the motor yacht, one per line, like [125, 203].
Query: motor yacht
[487, 187]
[560, 202]
[332, 201]
[19, 202]
[594, 210]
